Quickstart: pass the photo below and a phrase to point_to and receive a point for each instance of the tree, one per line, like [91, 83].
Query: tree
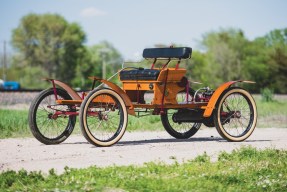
[224, 54]
[95, 58]
[197, 69]
[255, 65]
[50, 43]
[266, 61]
[276, 43]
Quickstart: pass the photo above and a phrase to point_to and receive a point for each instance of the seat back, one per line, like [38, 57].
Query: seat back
[167, 53]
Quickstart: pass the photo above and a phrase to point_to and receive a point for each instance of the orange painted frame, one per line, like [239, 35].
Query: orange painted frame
[212, 102]
[208, 107]
[172, 89]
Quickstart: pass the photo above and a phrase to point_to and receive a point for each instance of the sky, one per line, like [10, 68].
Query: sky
[132, 25]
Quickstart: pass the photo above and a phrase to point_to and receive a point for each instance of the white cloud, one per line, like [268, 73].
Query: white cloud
[92, 12]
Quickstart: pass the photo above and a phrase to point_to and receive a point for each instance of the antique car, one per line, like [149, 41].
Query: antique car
[103, 111]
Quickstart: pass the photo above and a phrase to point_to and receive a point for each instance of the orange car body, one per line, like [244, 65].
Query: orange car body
[165, 87]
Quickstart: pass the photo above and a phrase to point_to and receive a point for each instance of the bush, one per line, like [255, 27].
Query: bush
[267, 95]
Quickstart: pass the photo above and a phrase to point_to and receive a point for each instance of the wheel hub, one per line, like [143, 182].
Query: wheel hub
[50, 116]
[237, 114]
[102, 116]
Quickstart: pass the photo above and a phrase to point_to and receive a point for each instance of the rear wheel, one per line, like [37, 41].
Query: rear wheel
[103, 117]
[46, 126]
[183, 130]
[236, 115]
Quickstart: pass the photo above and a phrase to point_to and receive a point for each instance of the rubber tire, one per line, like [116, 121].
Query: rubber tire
[216, 113]
[32, 118]
[193, 130]
[83, 113]
[178, 135]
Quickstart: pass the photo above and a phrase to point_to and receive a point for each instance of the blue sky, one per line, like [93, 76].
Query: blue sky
[132, 25]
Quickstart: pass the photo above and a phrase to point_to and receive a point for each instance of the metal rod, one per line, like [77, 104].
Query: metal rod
[115, 75]
[177, 65]
[154, 61]
[166, 64]
[104, 67]
[187, 91]
[54, 89]
[93, 86]
[164, 89]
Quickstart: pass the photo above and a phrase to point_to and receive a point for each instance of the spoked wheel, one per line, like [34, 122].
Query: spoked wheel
[180, 130]
[103, 117]
[236, 115]
[47, 123]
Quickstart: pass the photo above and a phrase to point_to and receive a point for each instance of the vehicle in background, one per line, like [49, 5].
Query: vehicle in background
[9, 85]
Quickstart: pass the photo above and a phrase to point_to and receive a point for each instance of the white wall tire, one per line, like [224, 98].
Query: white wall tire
[103, 124]
[235, 115]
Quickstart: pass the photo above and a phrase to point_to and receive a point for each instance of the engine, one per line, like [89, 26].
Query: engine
[196, 115]
[188, 115]
[192, 116]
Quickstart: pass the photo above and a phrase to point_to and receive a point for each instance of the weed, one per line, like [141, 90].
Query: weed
[202, 158]
[267, 95]
[245, 169]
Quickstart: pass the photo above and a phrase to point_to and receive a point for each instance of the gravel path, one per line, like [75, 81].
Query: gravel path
[134, 148]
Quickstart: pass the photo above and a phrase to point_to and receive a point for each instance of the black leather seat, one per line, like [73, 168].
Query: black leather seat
[167, 53]
[139, 74]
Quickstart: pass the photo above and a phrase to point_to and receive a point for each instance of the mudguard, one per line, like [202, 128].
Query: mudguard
[212, 102]
[67, 88]
[113, 86]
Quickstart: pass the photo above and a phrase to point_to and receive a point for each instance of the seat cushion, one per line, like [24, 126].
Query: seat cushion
[145, 74]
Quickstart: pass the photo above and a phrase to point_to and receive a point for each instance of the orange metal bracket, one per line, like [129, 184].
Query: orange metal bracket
[211, 104]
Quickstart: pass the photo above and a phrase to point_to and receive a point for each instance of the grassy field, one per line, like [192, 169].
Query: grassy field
[246, 169]
[272, 114]
[14, 123]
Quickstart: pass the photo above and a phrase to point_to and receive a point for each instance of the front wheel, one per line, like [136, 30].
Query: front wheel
[103, 117]
[236, 115]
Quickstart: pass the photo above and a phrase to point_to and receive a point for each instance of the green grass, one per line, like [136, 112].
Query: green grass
[146, 123]
[246, 169]
[272, 114]
[14, 123]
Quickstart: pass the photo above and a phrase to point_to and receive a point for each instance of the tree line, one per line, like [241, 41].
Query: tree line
[229, 55]
[46, 45]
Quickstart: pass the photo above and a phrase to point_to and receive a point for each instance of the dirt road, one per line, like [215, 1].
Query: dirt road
[134, 148]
